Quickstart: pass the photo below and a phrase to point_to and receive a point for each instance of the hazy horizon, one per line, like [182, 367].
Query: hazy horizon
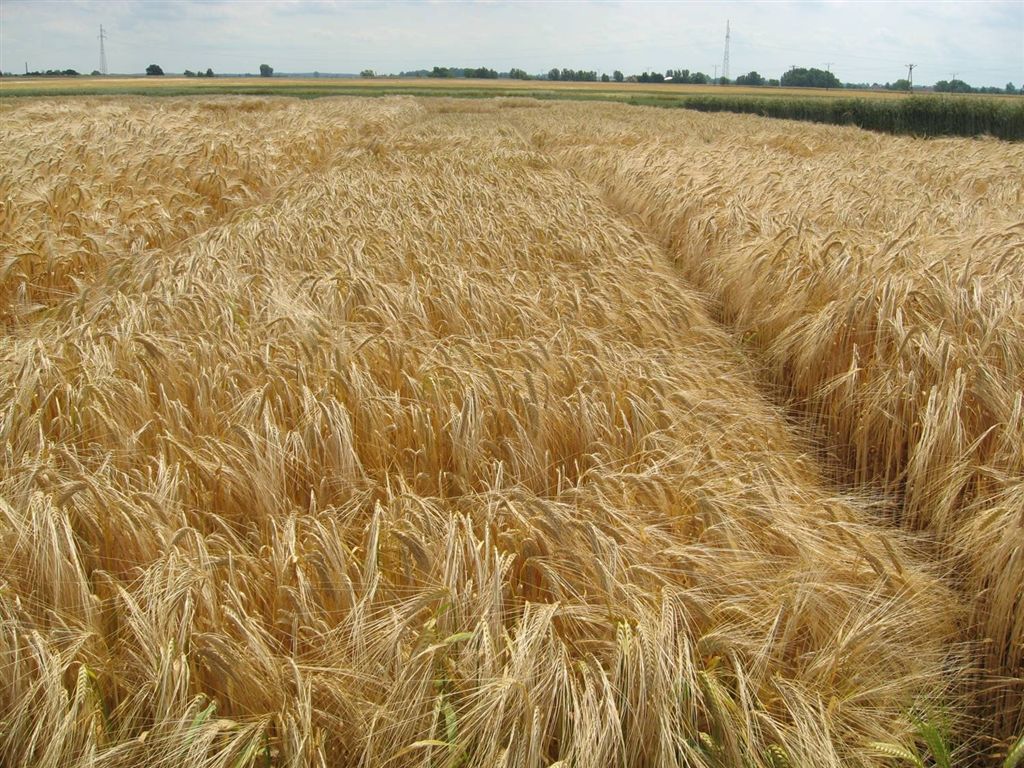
[861, 41]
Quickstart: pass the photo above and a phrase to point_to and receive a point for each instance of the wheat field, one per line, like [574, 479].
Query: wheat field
[428, 432]
[883, 299]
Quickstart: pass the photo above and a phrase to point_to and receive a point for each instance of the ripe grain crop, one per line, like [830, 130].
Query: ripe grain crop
[879, 282]
[357, 432]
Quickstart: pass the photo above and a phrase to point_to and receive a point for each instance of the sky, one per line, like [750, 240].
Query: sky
[979, 41]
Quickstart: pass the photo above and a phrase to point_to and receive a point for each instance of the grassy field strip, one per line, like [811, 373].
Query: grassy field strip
[916, 116]
[880, 280]
[887, 111]
[349, 86]
[422, 459]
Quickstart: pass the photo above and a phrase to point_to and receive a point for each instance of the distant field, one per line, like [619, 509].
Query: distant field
[157, 86]
[886, 111]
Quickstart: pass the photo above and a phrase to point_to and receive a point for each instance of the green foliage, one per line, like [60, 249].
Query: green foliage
[266, 70]
[651, 77]
[481, 73]
[617, 75]
[573, 75]
[934, 737]
[682, 76]
[916, 115]
[368, 74]
[154, 70]
[52, 73]
[798, 77]
[952, 86]
[1015, 756]
[518, 74]
[751, 78]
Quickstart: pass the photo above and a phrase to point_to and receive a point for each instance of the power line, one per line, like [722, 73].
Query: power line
[910, 75]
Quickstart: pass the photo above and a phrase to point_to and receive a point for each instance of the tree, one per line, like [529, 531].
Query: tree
[266, 70]
[209, 72]
[95, 73]
[441, 72]
[751, 78]
[518, 74]
[798, 77]
[1010, 88]
[605, 79]
[368, 73]
[900, 85]
[573, 75]
[154, 70]
[952, 86]
[618, 76]
[189, 73]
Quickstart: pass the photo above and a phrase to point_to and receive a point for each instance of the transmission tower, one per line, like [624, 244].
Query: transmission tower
[103, 52]
[910, 75]
[725, 58]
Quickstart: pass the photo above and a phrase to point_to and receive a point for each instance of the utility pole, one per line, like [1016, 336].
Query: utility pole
[725, 58]
[103, 52]
[910, 75]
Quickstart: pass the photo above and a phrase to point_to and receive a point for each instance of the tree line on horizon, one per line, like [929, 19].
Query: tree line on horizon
[796, 77]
